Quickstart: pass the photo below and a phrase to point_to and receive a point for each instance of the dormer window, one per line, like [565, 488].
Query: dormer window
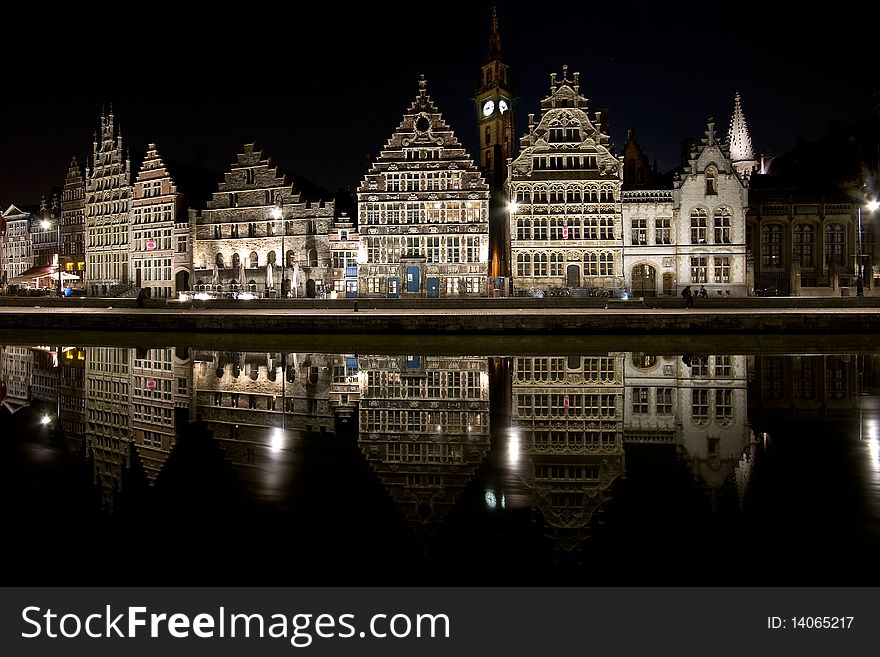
[711, 180]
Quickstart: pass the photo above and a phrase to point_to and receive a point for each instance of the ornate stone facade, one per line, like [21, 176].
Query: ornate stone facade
[742, 155]
[239, 243]
[155, 210]
[566, 230]
[73, 224]
[108, 194]
[423, 213]
[17, 247]
[710, 200]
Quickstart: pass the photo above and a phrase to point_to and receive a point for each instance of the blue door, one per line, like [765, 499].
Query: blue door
[412, 279]
[433, 285]
[393, 288]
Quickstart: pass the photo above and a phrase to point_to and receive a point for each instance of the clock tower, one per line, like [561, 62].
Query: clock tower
[494, 98]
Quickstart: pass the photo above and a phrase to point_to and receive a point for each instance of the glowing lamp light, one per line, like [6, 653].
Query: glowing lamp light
[45, 224]
[276, 213]
[873, 205]
[512, 207]
[277, 443]
[45, 420]
[491, 502]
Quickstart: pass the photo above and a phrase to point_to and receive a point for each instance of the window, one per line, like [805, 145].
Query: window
[472, 249]
[556, 264]
[255, 261]
[664, 401]
[699, 221]
[523, 229]
[452, 284]
[606, 264]
[722, 269]
[540, 264]
[834, 244]
[804, 239]
[373, 285]
[473, 285]
[249, 176]
[640, 401]
[662, 230]
[722, 226]
[700, 406]
[433, 248]
[724, 407]
[524, 264]
[181, 244]
[771, 245]
[711, 180]
[640, 230]
[698, 269]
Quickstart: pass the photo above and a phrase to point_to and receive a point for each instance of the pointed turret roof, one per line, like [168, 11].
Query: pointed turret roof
[494, 53]
[740, 142]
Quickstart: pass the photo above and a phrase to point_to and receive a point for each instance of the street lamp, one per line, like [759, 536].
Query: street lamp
[860, 283]
[278, 213]
[46, 225]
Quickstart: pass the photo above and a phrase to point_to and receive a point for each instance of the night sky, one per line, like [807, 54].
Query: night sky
[320, 89]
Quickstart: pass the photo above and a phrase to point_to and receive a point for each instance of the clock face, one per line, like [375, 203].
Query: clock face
[502, 106]
[488, 107]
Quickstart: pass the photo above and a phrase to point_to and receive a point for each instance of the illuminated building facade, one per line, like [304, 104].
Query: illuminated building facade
[566, 230]
[239, 241]
[423, 213]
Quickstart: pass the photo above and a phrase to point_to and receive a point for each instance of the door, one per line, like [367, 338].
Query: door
[310, 289]
[433, 285]
[413, 282]
[667, 284]
[393, 288]
[644, 281]
[573, 276]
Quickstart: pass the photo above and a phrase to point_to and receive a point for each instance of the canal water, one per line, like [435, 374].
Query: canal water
[197, 465]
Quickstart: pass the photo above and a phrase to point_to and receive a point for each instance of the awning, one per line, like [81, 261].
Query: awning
[33, 273]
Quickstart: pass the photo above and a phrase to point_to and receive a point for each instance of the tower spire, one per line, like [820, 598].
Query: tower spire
[494, 53]
[741, 152]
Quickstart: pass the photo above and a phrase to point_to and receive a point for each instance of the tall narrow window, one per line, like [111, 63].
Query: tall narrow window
[804, 239]
[722, 225]
[699, 228]
[711, 181]
[771, 245]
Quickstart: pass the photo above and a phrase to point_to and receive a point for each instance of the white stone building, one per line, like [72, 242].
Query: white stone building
[108, 195]
[566, 230]
[423, 213]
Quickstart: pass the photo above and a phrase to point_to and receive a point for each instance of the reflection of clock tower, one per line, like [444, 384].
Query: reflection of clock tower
[495, 123]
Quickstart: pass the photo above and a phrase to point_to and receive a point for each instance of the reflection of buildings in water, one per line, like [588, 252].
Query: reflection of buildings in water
[424, 428]
[160, 380]
[811, 388]
[697, 403]
[568, 413]
[345, 389]
[73, 400]
[16, 371]
[108, 417]
[255, 404]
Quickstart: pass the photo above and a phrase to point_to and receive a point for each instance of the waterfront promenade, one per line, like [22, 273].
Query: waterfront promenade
[511, 316]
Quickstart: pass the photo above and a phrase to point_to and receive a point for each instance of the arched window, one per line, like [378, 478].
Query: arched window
[313, 257]
[236, 261]
[255, 260]
[591, 264]
[606, 264]
[722, 225]
[711, 180]
[219, 261]
[835, 244]
[271, 258]
[643, 361]
[771, 245]
[804, 245]
[699, 225]
[290, 260]
[540, 264]
[524, 264]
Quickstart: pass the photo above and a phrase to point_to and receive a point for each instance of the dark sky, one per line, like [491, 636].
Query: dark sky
[319, 87]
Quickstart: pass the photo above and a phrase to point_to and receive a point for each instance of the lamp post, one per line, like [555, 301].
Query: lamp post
[278, 213]
[860, 282]
[46, 224]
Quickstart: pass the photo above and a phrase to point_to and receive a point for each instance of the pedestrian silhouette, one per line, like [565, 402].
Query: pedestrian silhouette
[703, 294]
[688, 296]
